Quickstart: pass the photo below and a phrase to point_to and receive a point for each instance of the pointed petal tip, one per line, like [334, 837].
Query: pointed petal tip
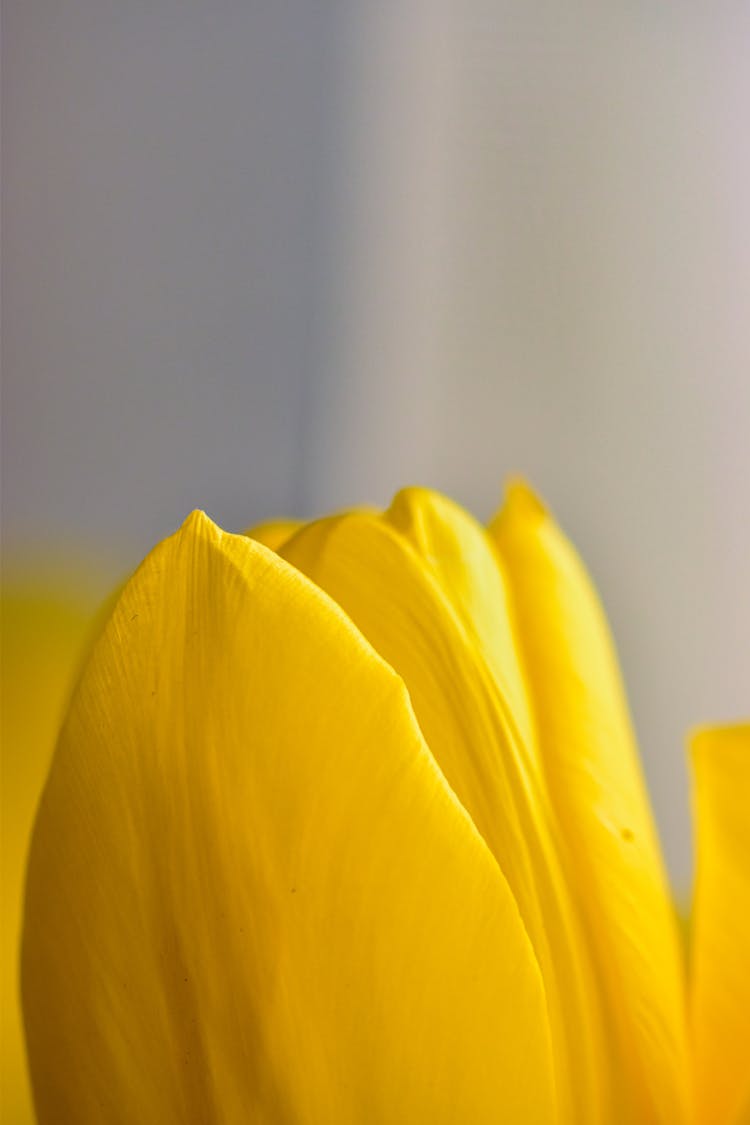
[200, 526]
[197, 522]
[520, 502]
[519, 493]
[411, 495]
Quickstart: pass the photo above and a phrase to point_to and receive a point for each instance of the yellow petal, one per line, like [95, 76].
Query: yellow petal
[720, 972]
[252, 895]
[399, 601]
[273, 533]
[589, 755]
[458, 552]
[42, 634]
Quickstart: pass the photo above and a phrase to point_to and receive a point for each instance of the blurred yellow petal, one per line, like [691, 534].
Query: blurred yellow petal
[252, 895]
[273, 533]
[720, 971]
[589, 755]
[423, 614]
[42, 634]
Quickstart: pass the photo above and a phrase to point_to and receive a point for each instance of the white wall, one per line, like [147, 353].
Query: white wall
[267, 257]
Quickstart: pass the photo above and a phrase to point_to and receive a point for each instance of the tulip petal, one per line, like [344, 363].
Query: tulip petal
[590, 758]
[720, 971]
[42, 635]
[459, 554]
[424, 618]
[273, 533]
[252, 896]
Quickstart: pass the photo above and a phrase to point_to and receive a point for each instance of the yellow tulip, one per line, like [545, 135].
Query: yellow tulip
[346, 824]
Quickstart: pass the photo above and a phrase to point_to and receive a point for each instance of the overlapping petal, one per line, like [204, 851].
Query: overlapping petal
[589, 757]
[456, 551]
[720, 970]
[252, 894]
[424, 587]
[274, 533]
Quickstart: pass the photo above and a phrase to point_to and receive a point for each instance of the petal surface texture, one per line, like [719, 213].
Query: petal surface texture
[590, 759]
[720, 994]
[252, 894]
[42, 636]
[423, 585]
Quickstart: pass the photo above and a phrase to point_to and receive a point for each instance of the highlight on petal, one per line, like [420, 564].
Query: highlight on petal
[252, 895]
[436, 612]
[720, 964]
[42, 634]
[590, 759]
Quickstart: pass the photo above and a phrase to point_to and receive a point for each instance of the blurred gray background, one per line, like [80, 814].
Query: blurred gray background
[269, 258]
